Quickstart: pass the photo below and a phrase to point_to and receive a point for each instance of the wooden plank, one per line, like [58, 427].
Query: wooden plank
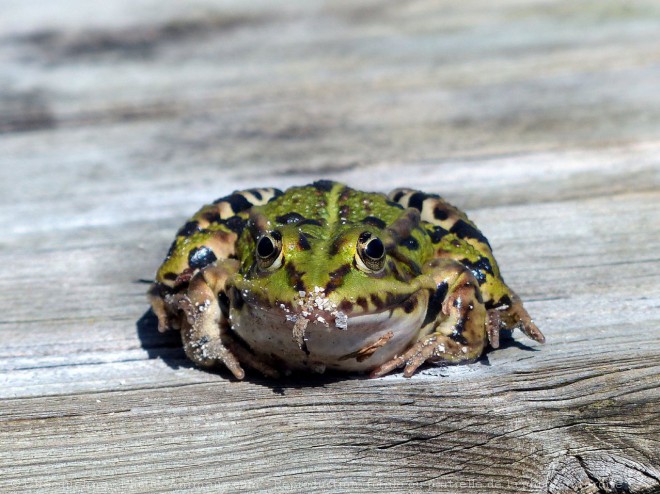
[117, 121]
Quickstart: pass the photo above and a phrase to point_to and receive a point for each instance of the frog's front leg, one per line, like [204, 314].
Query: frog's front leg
[455, 327]
[205, 326]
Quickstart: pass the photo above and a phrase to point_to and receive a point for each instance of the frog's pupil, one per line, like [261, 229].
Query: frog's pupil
[375, 249]
[265, 247]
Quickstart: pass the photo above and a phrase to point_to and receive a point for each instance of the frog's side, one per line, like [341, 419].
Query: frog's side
[325, 276]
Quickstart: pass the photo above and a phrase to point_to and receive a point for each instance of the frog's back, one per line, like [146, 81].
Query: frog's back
[332, 205]
[326, 208]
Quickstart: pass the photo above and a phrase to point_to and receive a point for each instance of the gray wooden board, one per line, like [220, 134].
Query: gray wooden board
[118, 119]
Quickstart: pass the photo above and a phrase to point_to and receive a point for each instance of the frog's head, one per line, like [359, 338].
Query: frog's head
[329, 271]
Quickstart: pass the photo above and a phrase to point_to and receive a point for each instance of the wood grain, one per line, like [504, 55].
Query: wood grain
[117, 120]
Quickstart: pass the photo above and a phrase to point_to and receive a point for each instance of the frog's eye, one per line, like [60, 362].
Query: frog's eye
[269, 251]
[371, 253]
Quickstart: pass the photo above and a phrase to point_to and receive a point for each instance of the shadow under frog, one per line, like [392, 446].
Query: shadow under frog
[167, 346]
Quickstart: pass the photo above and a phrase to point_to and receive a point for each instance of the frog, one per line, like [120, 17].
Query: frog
[327, 277]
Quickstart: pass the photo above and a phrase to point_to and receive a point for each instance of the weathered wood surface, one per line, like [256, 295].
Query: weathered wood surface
[118, 119]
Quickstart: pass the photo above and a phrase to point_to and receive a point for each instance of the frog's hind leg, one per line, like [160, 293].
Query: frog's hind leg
[204, 324]
[454, 329]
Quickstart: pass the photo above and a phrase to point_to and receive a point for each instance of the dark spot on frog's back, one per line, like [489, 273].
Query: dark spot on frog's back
[417, 199]
[256, 193]
[346, 193]
[303, 243]
[397, 197]
[212, 217]
[409, 243]
[437, 234]
[323, 185]
[479, 268]
[188, 229]
[236, 224]
[237, 201]
[440, 214]
[200, 257]
[457, 334]
[290, 218]
[463, 229]
[505, 300]
[362, 302]
[435, 303]
[294, 218]
[373, 221]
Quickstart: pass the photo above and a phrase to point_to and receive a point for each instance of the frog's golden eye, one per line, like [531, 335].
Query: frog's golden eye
[371, 253]
[269, 251]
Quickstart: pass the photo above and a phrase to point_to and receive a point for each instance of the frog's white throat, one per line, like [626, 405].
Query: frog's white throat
[317, 334]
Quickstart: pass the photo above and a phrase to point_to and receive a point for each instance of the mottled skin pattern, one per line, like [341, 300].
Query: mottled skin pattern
[358, 281]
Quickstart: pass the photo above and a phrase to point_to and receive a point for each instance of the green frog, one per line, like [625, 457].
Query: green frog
[324, 276]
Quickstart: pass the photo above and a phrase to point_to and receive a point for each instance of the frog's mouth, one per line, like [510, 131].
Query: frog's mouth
[316, 307]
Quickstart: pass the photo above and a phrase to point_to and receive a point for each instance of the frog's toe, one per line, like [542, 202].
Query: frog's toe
[387, 367]
[157, 297]
[531, 330]
[420, 353]
[493, 325]
[215, 351]
[250, 360]
[524, 321]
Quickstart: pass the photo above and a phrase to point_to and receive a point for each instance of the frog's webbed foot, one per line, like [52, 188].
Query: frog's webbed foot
[204, 326]
[455, 328]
